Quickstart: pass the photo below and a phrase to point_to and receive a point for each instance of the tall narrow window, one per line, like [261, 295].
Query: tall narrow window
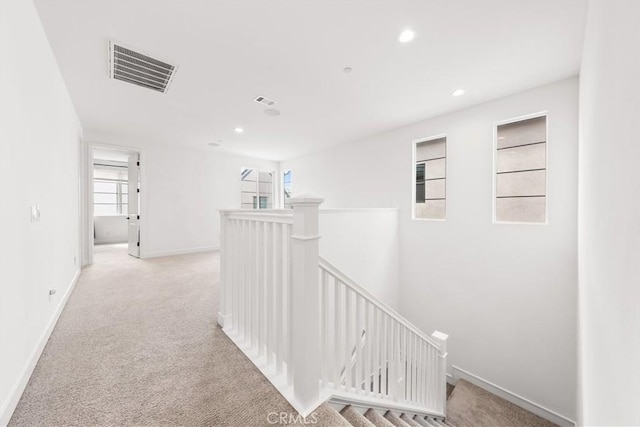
[256, 189]
[521, 171]
[286, 189]
[430, 178]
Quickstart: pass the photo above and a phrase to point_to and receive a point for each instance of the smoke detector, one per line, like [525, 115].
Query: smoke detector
[139, 69]
[264, 101]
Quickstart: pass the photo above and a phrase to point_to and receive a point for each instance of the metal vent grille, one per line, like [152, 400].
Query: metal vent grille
[264, 100]
[138, 69]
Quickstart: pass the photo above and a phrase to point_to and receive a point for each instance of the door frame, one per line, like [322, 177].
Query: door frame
[87, 202]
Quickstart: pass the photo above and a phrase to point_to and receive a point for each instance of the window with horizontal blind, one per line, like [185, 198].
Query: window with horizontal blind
[430, 178]
[110, 197]
[521, 171]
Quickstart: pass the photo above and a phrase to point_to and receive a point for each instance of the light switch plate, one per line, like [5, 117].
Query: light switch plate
[35, 213]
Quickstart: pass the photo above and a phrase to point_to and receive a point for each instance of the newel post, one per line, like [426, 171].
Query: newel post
[305, 308]
[441, 338]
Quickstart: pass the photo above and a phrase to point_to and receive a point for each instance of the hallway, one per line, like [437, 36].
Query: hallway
[138, 344]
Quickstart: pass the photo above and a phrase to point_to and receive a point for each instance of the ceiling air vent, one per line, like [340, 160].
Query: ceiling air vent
[139, 69]
[264, 101]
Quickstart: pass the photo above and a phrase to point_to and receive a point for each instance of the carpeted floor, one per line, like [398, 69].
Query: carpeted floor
[471, 406]
[138, 344]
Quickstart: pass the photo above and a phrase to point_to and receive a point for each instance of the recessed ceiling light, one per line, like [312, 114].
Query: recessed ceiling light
[406, 36]
[238, 130]
[347, 70]
[272, 112]
[458, 92]
[214, 144]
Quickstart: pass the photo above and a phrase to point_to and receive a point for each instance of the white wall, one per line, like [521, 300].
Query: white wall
[182, 191]
[506, 294]
[363, 244]
[39, 142]
[609, 390]
[110, 229]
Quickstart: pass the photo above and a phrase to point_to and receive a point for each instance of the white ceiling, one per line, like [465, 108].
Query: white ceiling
[293, 51]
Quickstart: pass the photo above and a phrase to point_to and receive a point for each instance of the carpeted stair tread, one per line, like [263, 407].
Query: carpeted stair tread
[395, 420]
[407, 419]
[355, 418]
[437, 422]
[423, 422]
[377, 419]
[324, 416]
[472, 406]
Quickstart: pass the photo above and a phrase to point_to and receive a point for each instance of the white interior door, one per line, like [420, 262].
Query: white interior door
[134, 205]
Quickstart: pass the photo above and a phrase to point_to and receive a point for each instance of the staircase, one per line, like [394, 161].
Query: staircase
[371, 418]
[314, 333]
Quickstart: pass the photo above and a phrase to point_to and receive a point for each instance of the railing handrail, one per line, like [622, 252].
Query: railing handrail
[270, 267]
[262, 215]
[333, 270]
[257, 211]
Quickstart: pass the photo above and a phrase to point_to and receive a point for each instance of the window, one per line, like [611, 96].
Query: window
[110, 197]
[256, 189]
[430, 178]
[286, 189]
[521, 171]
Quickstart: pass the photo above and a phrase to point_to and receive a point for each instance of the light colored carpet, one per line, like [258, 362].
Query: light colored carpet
[471, 406]
[138, 344]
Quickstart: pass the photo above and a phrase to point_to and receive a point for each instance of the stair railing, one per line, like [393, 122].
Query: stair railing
[310, 329]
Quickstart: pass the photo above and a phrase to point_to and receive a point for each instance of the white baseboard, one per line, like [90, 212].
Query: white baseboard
[539, 410]
[179, 252]
[223, 319]
[6, 411]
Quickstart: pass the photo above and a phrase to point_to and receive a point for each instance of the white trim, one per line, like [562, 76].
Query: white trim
[358, 210]
[88, 238]
[223, 319]
[179, 252]
[541, 411]
[6, 411]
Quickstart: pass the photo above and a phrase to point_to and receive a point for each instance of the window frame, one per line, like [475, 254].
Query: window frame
[414, 145]
[119, 193]
[282, 183]
[273, 188]
[494, 169]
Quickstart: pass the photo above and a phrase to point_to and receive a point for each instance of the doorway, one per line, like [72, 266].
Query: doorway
[115, 200]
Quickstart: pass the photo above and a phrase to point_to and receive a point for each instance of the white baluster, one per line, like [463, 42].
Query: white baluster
[269, 312]
[339, 331]
[279, 299]
[289, 304]
[348, 332]
[358, 360]
[327, 359]
[384, 347]
[376, 352]
[243, 279]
